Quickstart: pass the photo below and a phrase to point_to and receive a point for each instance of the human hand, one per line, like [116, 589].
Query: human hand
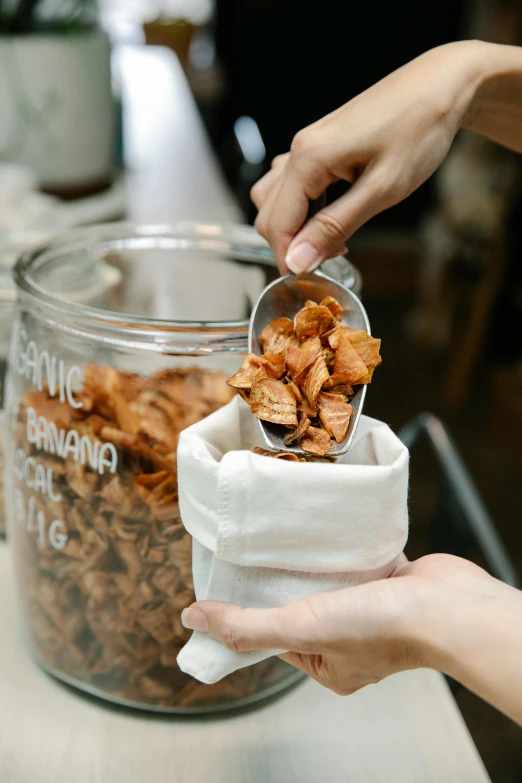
[356, 636]
[385, 142]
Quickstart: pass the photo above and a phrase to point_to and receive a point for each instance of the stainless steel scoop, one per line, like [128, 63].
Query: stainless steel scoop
[284, 297]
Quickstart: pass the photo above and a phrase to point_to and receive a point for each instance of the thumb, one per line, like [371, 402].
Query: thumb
[242, 629]
[328, 230]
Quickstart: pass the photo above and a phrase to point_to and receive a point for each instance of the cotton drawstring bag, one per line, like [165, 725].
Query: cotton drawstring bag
[267, 532]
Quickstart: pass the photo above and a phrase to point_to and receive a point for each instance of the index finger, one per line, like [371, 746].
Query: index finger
[303, 180]
[263, 187]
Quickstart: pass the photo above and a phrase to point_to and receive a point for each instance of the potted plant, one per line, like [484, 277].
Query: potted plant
[56, 107]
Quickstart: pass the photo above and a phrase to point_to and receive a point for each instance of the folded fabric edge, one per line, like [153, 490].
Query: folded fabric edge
[208, 660]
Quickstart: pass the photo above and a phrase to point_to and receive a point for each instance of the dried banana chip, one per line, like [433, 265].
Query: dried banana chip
[275, 337]
[273, 366]
[244, 377]
[316, 376]
[297, 433]
[295, 390]
[288, 456]
[333, 384]
[367, 347]
[305, 409]
[313, 321]
[335, 414]
[273, 401]
[348, 363]
[368, 377]
[334, 335]
[299, 358]
[333, 305]
[316, 441]
[260, 374]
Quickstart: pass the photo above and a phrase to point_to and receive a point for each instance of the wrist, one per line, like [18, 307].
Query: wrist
[426, 631]
[495, 82]
[448, 77]
[459, 619]
[438, 630]
[467, 65]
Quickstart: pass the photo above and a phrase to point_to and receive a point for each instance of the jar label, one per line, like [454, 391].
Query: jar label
[43, 370]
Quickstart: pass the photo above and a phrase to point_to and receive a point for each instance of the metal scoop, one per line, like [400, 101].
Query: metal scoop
[285, 297]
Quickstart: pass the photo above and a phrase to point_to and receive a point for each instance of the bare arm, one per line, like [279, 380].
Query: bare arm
[386, 142]
[496, 108]
[476, 638]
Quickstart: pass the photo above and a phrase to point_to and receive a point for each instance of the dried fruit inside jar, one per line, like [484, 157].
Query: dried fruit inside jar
[104, 591]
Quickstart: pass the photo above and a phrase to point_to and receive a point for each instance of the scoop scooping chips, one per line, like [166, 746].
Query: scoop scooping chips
[311, 357]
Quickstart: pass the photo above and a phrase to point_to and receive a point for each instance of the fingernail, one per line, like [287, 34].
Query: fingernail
[303, 258]
[195, 620]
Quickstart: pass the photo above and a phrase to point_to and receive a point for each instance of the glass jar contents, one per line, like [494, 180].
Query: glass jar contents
[97, 395]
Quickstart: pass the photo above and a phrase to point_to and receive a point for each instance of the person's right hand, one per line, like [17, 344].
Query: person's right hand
[352, 637]
[386, 142]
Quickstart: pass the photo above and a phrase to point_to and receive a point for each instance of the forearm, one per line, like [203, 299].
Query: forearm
[496, 108]
[476, 638]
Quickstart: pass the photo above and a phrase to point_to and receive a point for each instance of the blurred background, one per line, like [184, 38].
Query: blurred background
[184, 111]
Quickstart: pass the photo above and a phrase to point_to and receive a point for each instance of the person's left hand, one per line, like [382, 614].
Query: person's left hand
[356, 636]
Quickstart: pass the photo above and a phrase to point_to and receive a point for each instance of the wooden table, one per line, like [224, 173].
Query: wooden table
[405, 729]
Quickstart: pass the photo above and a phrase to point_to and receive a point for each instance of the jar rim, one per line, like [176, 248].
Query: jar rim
[250, 247]
[129, 331]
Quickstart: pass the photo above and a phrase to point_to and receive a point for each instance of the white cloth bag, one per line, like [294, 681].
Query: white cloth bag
[267, 532]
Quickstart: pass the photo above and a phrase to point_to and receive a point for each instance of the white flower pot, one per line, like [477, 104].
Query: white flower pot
[56, 108]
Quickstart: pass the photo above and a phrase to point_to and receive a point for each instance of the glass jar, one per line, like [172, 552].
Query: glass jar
[12, 243]
[82, 290]
[96, 397]
[7, 307]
